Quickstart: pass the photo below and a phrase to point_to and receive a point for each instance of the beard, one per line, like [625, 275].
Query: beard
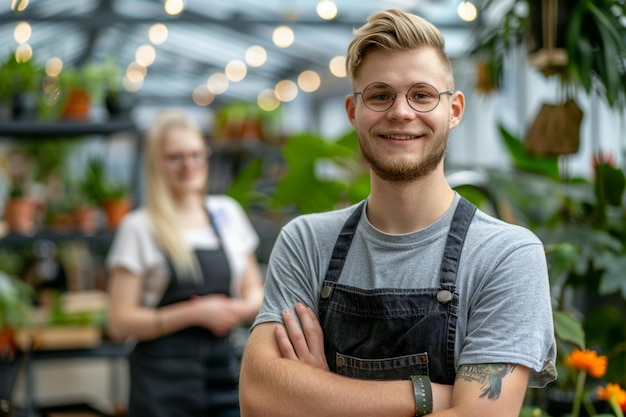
[402, 171]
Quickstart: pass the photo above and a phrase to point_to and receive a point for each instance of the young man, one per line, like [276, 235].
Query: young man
[412, 302]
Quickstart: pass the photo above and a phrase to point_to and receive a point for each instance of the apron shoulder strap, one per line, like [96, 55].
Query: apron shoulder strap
[342, 245]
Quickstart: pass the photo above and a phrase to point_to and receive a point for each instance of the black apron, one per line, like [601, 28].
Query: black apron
[192, 372]
[393, 333]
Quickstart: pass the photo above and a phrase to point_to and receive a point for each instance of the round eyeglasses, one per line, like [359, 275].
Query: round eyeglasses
[422, 97]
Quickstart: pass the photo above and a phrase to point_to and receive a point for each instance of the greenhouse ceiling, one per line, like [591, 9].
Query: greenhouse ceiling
[204, 36]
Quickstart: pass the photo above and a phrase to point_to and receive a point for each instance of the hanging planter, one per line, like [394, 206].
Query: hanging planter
[486, 77]
[556, 130]
[547, 35]
[580, 40]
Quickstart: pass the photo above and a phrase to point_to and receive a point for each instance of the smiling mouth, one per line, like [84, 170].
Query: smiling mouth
[400, 137]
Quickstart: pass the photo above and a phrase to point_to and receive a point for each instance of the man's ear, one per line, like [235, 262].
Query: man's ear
[457, 108]
[350, 104]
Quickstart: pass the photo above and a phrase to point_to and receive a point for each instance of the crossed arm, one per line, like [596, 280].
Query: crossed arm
[284, 374]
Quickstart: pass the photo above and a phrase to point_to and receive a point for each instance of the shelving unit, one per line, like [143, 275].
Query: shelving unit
[78, 130]
[97, 242]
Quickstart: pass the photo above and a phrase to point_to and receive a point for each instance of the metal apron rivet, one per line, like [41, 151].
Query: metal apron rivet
[326, 291]
[340, 361]
[444, 296]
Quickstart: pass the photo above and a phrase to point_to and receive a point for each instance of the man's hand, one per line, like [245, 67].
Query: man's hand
[304, 344]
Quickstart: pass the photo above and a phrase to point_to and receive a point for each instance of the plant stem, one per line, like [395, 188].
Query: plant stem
[616, 408]
[580, 387]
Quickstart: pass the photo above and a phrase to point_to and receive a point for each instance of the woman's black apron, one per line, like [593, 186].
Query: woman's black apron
[190, 372]
[393, 333]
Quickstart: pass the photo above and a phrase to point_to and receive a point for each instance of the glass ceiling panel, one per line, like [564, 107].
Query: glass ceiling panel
[206, 36]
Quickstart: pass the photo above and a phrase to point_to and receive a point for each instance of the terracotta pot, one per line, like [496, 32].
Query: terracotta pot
[20, 214]
[61, 223]
[7, 343]
[115, 210]
[85, 219]
[77, 106]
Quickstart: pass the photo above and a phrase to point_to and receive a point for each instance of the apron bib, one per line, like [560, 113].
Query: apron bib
[393, 333]
[191, 372]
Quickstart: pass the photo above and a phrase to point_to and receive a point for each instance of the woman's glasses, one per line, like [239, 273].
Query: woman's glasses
[197, 158]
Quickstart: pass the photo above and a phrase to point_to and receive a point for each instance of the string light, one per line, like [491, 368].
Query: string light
[267, 100]
[283, 36]
[286, 90]
[218, 83]
[337, 66]
[22, 32]
[256, 56]
[236, 70]
[326, 9]
[174, 7]
[158, 33]
[309, 81]
[467, 11]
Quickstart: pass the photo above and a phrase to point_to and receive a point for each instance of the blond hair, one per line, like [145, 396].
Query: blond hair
[160, 201]
[394, 30]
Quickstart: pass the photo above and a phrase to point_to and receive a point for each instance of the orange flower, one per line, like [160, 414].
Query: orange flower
[613, 391]
[587, 360]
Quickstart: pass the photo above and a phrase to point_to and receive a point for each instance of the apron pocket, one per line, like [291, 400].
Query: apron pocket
[399, 367]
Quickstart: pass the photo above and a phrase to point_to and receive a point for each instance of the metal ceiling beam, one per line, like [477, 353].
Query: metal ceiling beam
[104, 18]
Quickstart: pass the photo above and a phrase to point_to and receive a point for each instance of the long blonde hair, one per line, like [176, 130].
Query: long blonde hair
[394, 30]
[159, 198]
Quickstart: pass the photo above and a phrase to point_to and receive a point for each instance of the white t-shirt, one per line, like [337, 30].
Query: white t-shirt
[135, 249]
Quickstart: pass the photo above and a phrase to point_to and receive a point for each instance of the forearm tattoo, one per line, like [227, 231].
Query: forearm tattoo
[489, 376]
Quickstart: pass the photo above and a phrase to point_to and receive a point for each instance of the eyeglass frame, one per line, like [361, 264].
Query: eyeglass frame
[406, 95]
[195, 158]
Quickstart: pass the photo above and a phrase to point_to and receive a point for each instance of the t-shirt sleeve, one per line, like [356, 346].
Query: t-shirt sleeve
[130, 245]
[291, 275]
[514, 301]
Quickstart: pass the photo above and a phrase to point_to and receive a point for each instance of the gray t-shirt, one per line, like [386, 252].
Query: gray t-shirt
[505, 313]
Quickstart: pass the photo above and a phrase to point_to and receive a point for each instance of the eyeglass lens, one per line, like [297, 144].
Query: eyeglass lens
[421, 97]
[194, 158]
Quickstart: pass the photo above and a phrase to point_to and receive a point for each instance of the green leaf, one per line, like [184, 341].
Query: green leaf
[562, 258]
[608, 72]
[613, 278]
[522, 160]
[242, 187]
[610, 184]
[321, 173]
[568, 329]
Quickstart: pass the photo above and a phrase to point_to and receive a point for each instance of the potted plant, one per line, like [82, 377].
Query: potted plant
[79, 88]
[19, 88]
[117, 102]
[16, 305]
[20, 211]
[246, 121]
[113, 198]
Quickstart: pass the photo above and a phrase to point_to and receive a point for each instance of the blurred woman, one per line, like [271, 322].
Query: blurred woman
[183, 275]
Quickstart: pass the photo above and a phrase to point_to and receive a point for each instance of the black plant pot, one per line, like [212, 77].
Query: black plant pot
[24, 106]
[119, 105]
